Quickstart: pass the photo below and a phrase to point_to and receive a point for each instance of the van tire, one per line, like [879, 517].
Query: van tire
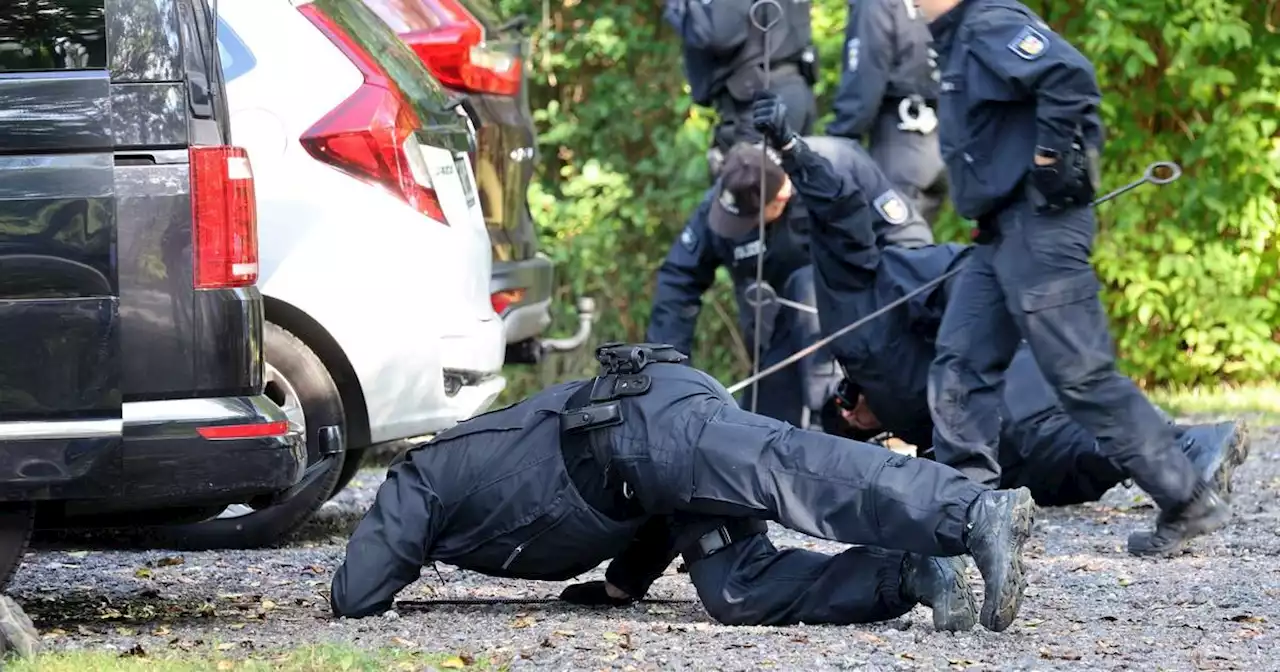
[17, 522]
[321, 405]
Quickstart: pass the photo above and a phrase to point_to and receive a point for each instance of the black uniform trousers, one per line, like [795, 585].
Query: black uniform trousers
[1035, 282]
[686, 450]
[911, 161]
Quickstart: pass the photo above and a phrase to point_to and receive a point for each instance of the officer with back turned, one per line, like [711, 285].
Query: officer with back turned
[724, 61]
[888, 94]
[1020, 133]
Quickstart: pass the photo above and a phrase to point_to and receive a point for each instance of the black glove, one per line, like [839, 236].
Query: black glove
[592, 594]
[1067, 183]
[769, 116]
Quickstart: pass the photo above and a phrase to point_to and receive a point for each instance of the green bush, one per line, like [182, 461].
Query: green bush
[1190, 268]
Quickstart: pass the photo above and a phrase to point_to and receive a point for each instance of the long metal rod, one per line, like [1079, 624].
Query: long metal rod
[1148, 176]
[482, 601]
[763, 24]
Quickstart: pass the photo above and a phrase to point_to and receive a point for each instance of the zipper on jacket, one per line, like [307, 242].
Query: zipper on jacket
[519, 549]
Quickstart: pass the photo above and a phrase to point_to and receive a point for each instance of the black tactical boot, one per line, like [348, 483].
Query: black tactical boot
[999, 525]
[18, 636]
[1216, 450]
[940, 584]
[1204, 513]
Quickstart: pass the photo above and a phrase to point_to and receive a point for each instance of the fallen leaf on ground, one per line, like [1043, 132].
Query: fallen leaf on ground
[226, 646]
[268, 605]
[170, 561]
[142, 573]
[1059, 655]
[869, 638]
[1248, 618]
[743, 645]
[564, 633]
[523, 622]
[1125, 581]
[1031, 623]
[78, 554]
[137, 650]
[908, 656]
[401, 641]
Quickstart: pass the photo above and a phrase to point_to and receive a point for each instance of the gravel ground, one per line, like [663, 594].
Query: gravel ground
[1089, 605]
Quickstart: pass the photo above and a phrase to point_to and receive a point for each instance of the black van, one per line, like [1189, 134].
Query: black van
[131, 375]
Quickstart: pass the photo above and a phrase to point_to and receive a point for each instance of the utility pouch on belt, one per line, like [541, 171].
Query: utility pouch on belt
[620, 376]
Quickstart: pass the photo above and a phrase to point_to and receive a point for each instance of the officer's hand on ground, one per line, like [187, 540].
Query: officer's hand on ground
[593, 594]
[769, 116]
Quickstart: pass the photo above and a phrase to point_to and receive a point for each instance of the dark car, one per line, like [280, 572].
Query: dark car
[131, 373]
[477, 53]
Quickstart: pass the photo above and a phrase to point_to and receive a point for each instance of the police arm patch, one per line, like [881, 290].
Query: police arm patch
[851, 54]
[892, 207]
[1029, 44]
[689, 239]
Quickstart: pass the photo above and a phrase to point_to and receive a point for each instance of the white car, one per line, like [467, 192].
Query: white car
[375, 260]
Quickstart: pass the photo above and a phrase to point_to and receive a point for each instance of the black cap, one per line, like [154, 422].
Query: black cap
[736, 209]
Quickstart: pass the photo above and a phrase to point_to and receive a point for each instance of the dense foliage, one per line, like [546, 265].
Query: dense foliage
[1191, 268]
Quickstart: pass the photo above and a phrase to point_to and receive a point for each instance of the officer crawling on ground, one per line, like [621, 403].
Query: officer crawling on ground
[887, 362]
[1020, 134]
[724, 231]
[652, 459]
[724, 61]
[888, 95]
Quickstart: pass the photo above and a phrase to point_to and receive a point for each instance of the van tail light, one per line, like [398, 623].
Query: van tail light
[371, 134]
[504, 299]
[456, 53]
[224, 217]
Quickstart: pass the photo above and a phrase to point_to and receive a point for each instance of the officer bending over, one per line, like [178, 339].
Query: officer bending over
[1041, 447]
[1020, 136]
[724, 60]
[887, 361]
[724, 231]
[653, 459]
[888, 95]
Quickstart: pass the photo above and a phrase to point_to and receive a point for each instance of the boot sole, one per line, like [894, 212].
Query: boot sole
[1002, 596]
[1235, 456]
[958, 613]
[17, 633]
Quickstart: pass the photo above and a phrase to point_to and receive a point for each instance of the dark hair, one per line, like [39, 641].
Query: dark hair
[740, 178]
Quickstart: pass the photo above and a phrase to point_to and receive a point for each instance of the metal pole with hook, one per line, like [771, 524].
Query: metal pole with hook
[761, 19]
[1159, 173]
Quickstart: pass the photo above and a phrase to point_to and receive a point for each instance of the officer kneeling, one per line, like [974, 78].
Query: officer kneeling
[653, 459]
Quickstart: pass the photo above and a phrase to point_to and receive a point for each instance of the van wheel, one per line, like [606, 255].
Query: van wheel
[17, 521]
[298, 382]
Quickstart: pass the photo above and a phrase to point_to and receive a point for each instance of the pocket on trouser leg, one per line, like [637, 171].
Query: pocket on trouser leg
[1066, 327]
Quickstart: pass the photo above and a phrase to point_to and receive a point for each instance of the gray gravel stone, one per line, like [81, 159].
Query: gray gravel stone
[1090, 606]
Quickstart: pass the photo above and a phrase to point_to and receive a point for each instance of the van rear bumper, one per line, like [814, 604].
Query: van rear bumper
[164, 454]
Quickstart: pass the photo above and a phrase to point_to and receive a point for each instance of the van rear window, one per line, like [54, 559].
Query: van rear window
[40, 35]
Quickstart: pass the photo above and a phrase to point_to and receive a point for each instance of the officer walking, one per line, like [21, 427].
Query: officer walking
[653, 458]
[888, 94]
[724, 61]
[724, 231]
[887, 362]
[1020, 135]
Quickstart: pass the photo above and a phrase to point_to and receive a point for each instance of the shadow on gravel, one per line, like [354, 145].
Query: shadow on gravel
[149, 608]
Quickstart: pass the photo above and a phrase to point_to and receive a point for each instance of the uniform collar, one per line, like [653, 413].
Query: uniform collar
[944, 27]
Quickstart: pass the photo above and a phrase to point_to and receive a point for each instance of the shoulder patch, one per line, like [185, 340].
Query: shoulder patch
[1029, 44]
[892, 207]
[851, 54]
[689, 239]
